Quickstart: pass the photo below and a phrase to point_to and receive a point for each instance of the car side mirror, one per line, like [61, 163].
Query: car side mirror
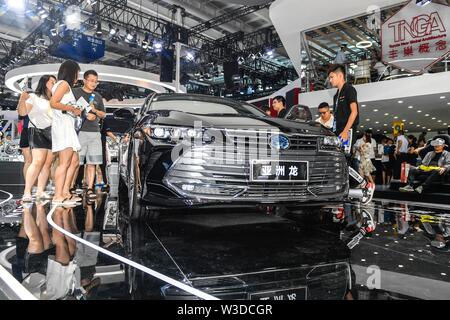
[124, 114]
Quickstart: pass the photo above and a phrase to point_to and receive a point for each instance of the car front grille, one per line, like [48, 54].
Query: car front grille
[212, 172]
[322, 282]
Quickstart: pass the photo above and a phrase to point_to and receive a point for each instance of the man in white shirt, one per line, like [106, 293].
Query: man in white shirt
[326, 118]
[341, 57]
[401, 153]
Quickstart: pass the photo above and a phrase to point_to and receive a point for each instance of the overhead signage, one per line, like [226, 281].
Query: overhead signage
[416, 37]
[79, 47]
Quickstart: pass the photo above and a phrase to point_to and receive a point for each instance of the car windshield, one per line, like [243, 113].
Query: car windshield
[207, 108]
[299, 113]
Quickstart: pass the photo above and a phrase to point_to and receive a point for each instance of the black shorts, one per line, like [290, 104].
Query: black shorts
[40, 138]
[24, 138]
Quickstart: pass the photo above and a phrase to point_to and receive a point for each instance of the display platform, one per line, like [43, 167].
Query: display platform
[91, 252]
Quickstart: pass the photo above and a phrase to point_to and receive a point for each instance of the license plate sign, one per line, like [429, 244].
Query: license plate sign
[276, 171]
[290, 294]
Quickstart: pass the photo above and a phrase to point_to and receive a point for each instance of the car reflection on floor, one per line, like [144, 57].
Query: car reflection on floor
[406, 257]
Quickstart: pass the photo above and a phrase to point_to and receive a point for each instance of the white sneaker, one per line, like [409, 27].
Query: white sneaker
[368, 192]
[419, 189]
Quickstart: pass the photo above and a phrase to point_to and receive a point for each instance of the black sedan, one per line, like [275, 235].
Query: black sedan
[193, 151]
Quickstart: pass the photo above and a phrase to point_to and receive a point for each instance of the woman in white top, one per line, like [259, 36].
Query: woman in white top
[37, 107]
[64, 137]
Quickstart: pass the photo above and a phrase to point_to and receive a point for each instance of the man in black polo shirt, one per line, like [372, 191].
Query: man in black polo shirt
[346, 119]
[345, 103]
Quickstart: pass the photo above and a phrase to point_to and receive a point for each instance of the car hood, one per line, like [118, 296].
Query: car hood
[208, 245]
[177, 118]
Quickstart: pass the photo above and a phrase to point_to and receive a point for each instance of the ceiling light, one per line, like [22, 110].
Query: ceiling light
[386, 114]
[429, 129]
[418, 125]
[427, 115]
[53, 32]
[410, 107]
[424, 128]
[385, 131]
[367, 119]
[361, 126]
[442, 97]
[364, 44]
[385, 125]
[444, 124]
[377, 122]
[411, 122]
[419, 111]
[395, 117]
[439, 120]
[448, 103]
[370, 128]
[375, 110]
[433, 118]
[240, 60]
[400, 101]
[363, 105]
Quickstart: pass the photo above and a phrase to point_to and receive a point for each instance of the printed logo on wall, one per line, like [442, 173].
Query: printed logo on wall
[416, 37]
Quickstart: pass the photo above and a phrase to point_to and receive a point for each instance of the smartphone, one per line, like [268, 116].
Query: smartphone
[23, 85]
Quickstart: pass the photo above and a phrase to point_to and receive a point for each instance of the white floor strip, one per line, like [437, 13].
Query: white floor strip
[10, 196]
[12, 288]
[138, 266]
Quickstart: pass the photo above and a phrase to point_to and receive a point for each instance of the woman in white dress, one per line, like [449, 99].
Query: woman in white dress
[366, 167]
[64, 137]
[37, 107]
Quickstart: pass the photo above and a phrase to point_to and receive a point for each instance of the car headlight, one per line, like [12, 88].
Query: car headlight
[176, 133]
[332, 141]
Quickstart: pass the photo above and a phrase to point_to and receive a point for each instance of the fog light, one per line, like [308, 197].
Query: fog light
[206, 190]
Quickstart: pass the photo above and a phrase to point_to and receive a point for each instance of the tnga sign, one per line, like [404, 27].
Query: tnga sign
[416, 37]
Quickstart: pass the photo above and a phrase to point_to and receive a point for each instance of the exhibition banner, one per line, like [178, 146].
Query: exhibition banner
[416, 37]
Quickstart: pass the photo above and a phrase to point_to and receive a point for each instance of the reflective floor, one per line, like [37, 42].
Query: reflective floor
[91, 252]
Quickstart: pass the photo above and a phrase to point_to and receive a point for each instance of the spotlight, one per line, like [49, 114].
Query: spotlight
[422, 3]
[112, 31]
[259, 55]
[145, 42]
[269, 53]
[251, 56]
[240, 60]
[190, 56]
[53, 32]
[99, 31]
[16, 5]
[129, 36]
[157, 46]
[91, 2]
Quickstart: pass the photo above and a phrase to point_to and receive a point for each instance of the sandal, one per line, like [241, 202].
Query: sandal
[43, 196]
[90, 194]
[64, 202]
[27, 198]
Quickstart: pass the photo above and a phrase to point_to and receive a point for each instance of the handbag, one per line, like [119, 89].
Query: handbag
[46, 132]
